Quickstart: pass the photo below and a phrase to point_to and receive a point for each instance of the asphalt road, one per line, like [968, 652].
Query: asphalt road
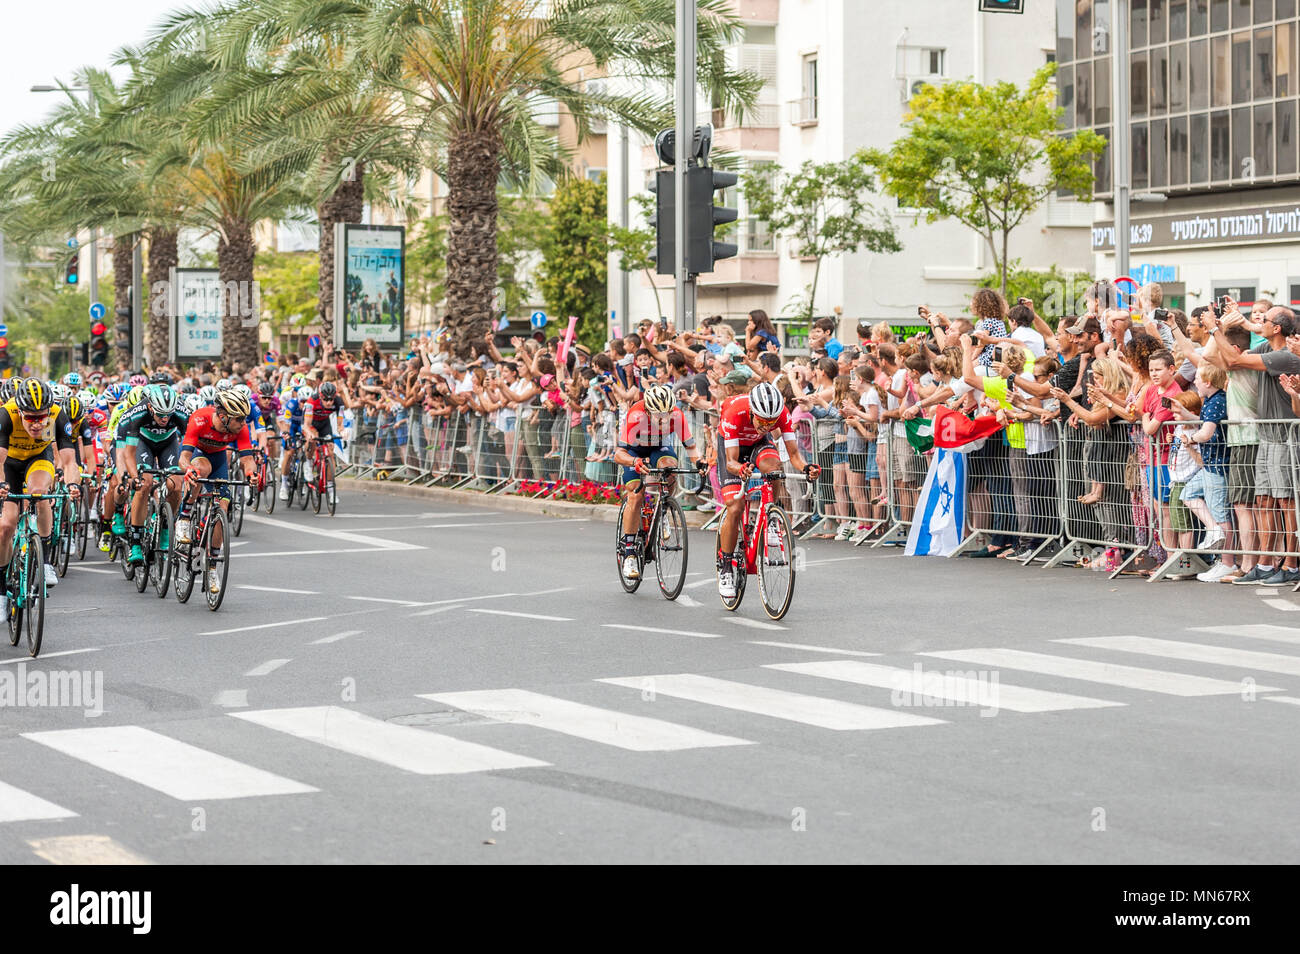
[417, 682]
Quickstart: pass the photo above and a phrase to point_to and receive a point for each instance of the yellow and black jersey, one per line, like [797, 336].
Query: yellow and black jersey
[22, 445]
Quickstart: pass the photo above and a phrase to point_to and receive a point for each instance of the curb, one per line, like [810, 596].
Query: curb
[604, 513]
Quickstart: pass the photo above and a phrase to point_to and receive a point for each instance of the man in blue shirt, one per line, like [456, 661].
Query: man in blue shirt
[821, 337]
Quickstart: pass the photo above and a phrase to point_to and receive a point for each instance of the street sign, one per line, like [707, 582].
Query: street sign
[97, 310]
[4, 330]
[538, 320]
[313, 341]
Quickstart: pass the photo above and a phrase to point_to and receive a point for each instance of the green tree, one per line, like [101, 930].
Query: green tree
[289, 283]
[825, 209]
[572, 275]
[1054, 293]
[522, 228]
[987, 156]
[426, 264]
[634, 247]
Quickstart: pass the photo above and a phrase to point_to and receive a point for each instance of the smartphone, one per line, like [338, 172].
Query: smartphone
[997, 353]
[1160, 314]
[1166, 403]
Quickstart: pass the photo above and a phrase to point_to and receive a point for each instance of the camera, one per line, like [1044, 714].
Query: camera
[997, 354]
[1160, 314]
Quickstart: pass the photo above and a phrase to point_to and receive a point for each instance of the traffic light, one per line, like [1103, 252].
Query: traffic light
[98, 343]
[122, 326]
[702, 217]
[664, 221]
[70, 276]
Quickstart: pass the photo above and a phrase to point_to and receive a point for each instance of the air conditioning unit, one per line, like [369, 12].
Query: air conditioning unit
[910, 87]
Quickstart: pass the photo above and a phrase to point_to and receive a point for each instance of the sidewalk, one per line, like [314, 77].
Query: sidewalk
[606, 513]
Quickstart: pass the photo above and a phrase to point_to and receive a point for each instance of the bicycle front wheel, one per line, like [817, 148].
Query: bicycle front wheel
[238, 496]
[272, 488]
[160, 557]
[13, 575]
[776, 564]
[63, 539]
[217, 562]
[670, 545]
[33, 585]
[84, 527]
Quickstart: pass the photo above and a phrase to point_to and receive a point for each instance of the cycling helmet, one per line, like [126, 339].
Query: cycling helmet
[134, 396]
[116, 392]
[659, 399]
[138, 380]
[73, 407]
[207, 395]
[192, 403]
[160, 377]
[72, 379]
[234, 403]
[297, 379]
[224, 383]
[246, 391]
[328, 391]
[161, 399]
[60, 393]
[33, 396]
[305, 393]
[765, 401]
[6, 389]
[86, 397]
[266, 389]
[187, 386]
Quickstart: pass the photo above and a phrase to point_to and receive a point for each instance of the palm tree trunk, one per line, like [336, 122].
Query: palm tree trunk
[122, 247]
[239, 321]
[473, 166]
[344, 204]
[163, 257]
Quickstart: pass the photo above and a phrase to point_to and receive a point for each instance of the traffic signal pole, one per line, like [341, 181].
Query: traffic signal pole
[684, 297]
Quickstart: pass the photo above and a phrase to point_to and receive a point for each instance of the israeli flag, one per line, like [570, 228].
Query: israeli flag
[941, 508]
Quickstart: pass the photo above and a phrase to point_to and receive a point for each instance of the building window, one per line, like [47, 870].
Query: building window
[1220, 74]
[1083, 95]
[1178, 151]
[1137, 31]
[1140, 153]
[1198, 75]
[1198, 17]
[1159, 81]
[808, 88]
[1240, 292]
[1178, 20]
[1243, 162]
[596, 175]
[1159, 153]
[1101, 169]
[1198, 149]
[1220, 147]
[1263, 151]
[1178, 77]
[1263, 73]
[1240, 68]
[1158, 31]
[1286, 138]
[1138, 83]
[1284, 59]
[1101, 97]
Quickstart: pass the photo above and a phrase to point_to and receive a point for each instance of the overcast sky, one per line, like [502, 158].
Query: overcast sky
[44, 41]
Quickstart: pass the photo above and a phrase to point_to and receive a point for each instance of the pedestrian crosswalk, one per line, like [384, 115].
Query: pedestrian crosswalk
[845, 697]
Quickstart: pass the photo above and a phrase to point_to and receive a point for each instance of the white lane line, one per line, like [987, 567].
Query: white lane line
[705, 582]
[164, 764]
[605, 726]
[281, 553]
[1289, 700]
[335, 638]
[412, 516]
[656, 629]
[774, 703]
[244, 629]
[829, 560]
[91, 569]
[85, 850]
[402, 746]
[278, 589]
[813, 649]
[1267, 631]
[558, 589]
[333, 534]
[1110, 674]
[753, 623]
[231, 698]
[239, 543]
[689, 601]
[268, 667]
[550, 619]
[1283, 605]
[17, 805]
[438, 609]
[958, 687]
[62, 652]
[485, 523]
[1194, 652]
[384, 599]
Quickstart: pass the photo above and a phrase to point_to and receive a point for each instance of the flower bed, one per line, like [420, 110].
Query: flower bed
[585, 491]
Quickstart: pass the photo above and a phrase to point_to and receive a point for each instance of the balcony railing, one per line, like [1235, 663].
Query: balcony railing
[803, 112]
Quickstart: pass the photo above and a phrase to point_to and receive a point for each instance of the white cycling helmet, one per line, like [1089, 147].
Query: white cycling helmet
[765, 401]
[659, 399]
[305, 393]
[61, 393]
[192, 403]
[86, 397]
[207, 395]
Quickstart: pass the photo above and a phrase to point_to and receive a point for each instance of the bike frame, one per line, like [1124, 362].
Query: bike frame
[765, 499]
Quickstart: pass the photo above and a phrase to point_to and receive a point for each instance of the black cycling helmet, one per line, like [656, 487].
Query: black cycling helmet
[160, 377]
[186, 387]
[328, 391]
[266, 389]
[34, 396]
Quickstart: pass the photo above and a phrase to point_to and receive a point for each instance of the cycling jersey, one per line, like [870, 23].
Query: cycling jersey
[320, 412]
[203, 435]
[22, 445]
[641, 429]
[737, 424]
[138, 425]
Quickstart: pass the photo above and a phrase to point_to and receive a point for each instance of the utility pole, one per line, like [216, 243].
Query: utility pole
[1121, 160]
[685, 132]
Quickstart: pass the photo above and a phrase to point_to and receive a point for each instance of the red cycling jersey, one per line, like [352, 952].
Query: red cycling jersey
[319, 412]
[641, 430]
[203, 434]
[737, 425]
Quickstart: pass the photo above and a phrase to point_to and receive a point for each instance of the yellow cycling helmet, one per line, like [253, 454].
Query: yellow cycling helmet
[72, 406]
[32, 395]
[134, 396]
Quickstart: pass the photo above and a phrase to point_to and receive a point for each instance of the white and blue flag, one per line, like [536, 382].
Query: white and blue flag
[941, 508]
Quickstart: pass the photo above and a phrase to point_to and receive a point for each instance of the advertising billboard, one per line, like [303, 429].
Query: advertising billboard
[369, 285]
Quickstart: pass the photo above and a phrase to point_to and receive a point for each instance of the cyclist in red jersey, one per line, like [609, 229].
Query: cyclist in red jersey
[746, 439]
[645, 442]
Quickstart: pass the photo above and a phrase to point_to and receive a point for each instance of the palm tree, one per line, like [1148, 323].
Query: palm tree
[465, 77]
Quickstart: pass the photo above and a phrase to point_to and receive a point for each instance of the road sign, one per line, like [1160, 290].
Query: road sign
[313, 341]
[97, 310]
[538, 320]
[4, 330]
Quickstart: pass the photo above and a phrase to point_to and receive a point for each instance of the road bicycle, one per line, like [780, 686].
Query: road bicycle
[321, 487]
[764, 547]
[238, 492]
[264, 484]
[83, 528]
[64, 514]
[156, 541]
[25, 575]
[661, 537]
[294, 475]
[196, 557]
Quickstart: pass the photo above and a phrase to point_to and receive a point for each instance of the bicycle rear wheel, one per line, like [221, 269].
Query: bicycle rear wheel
[304, 486]
[220, 561]
[313, 488]
[670, 547]
[160, 557]
[272, 488]
[183, 560]
[14, 618]
[63, 539]
[331, 498]
[776, 564]
[238, 495]
[629, 585]
[83, 528]
[33, 583]
[737, 566]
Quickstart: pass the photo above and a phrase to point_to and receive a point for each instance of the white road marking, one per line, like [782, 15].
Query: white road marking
[85, 850]
[704, 582]
[689, 601]
[282, 553]
[268, 667]
[244, 629]
[957, 687]
[753, 623]
[1194, 652]
[605, 726]
[558, 589]
[333, 534]
[550, 619]
[231, 698]
[278, 589]
[485, 523]
[91, 569]
[1110, 674]
[1289, 700]
[813, 649]
[774, 703]
[62, 652]
[829, 560]
[384, 599]
[402, 746]
[183, 771]
[413, 516]
[1268, 631]
[17, 805]
[439, 609]
[656, 629]
[1284, 605]
[335, 638]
